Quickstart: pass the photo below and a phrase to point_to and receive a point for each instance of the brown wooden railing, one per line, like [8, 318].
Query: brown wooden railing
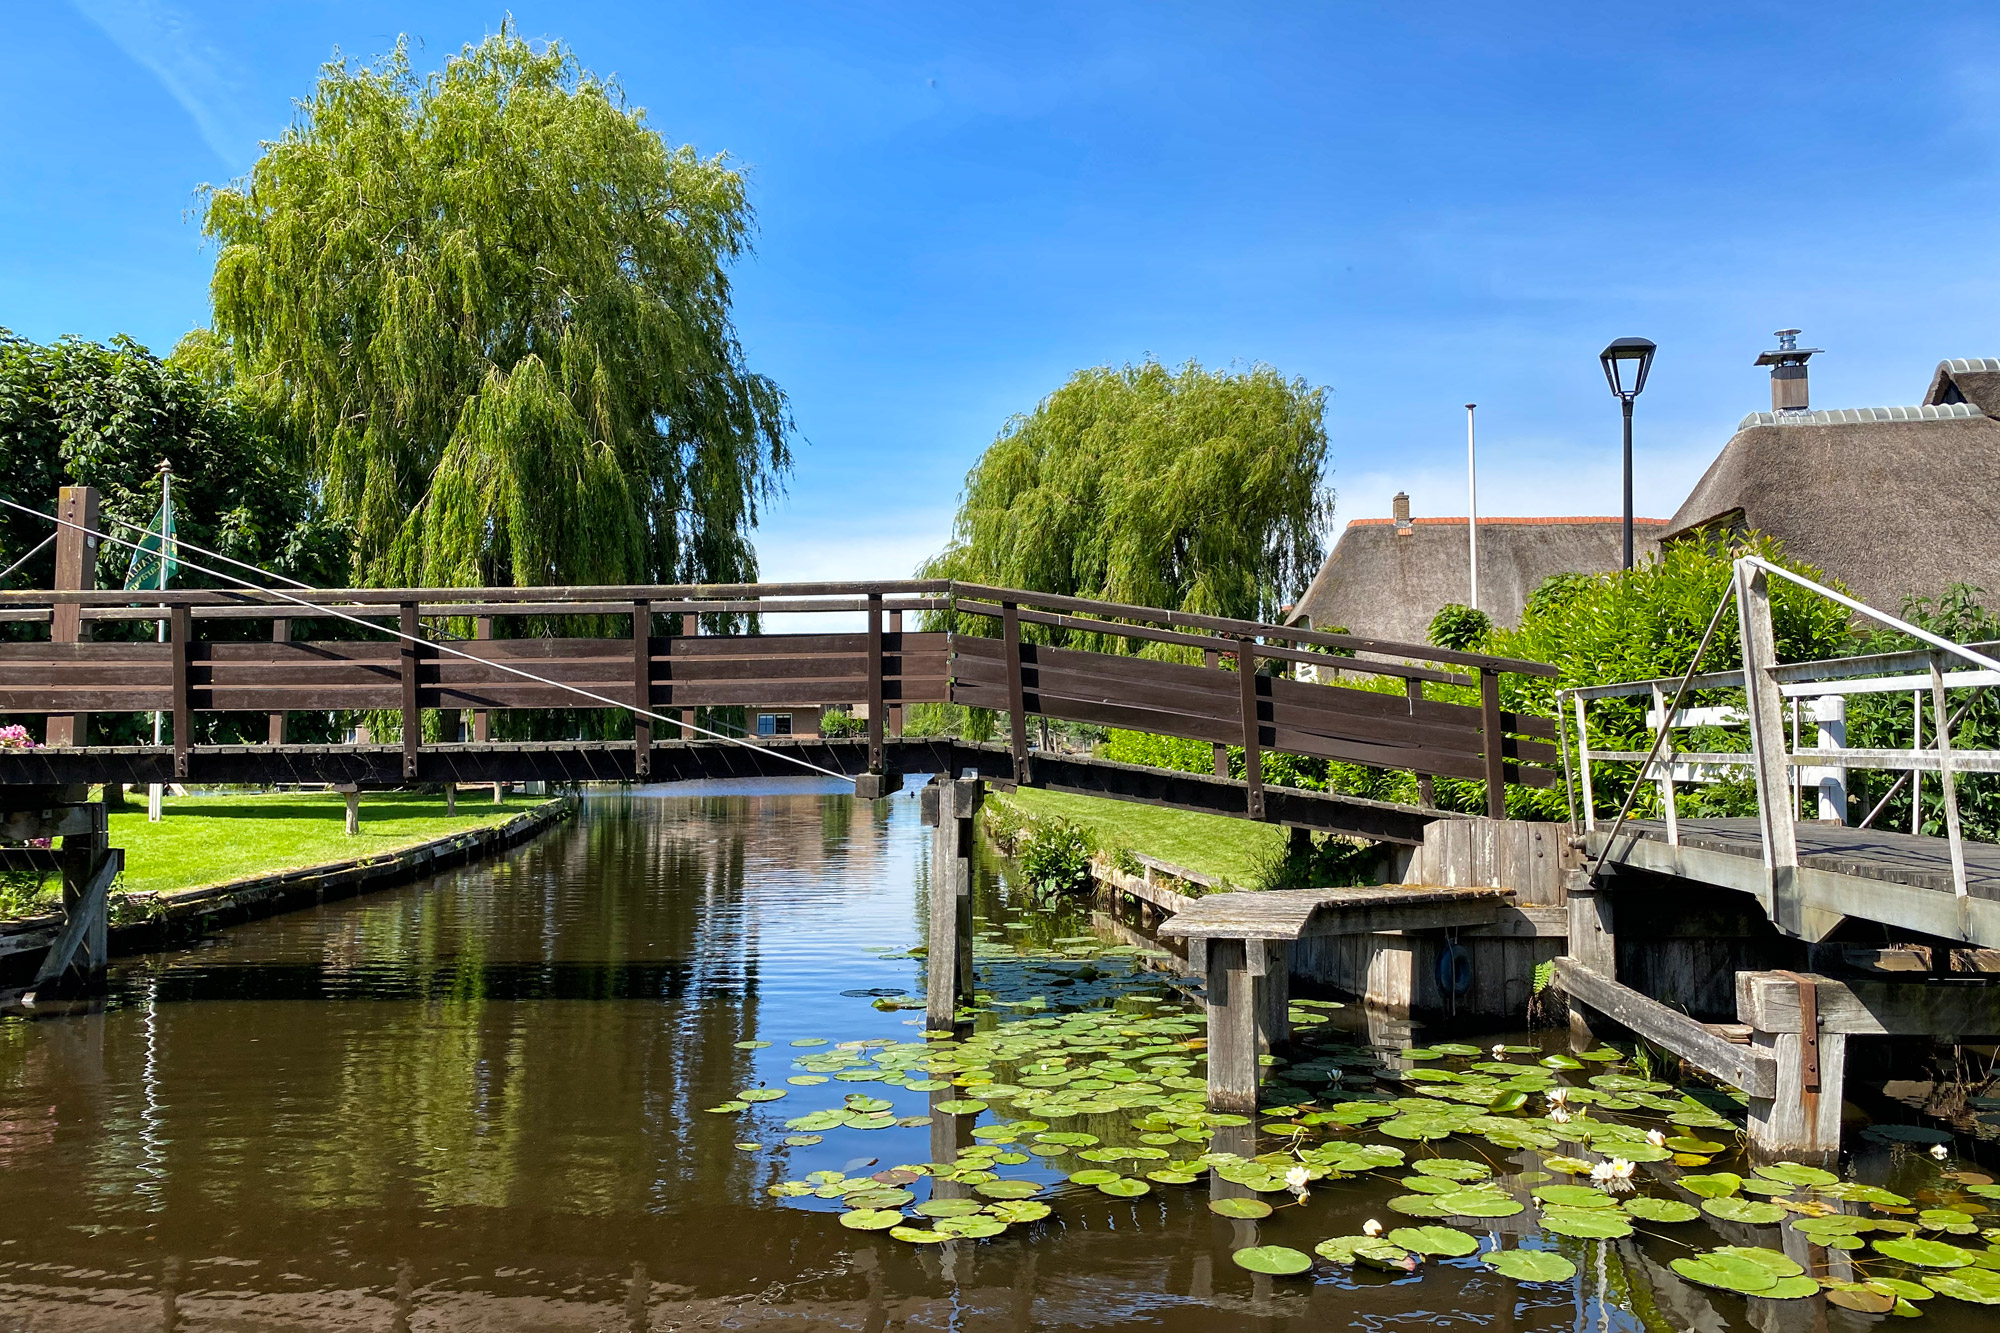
[1038, 655]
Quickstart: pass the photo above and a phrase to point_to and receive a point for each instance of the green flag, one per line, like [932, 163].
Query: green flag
[157, 558]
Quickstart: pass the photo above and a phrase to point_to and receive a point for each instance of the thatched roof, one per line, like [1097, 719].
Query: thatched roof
[1974, 380]
[1388, 582]
[1894, 502]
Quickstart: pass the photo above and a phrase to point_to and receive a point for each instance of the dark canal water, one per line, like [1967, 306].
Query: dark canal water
[479, 1103]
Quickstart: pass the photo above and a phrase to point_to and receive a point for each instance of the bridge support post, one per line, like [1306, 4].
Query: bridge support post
[1593, 943]
[949, 806]
[89, 865]
[1234, 1019]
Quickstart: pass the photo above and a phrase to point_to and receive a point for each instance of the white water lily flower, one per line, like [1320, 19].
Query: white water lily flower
[1371, 1228]
[1656, 1138]
[1296, 1180]
[1939, 1151]
[1557, 1096]
[1560, 1116]
[1499, 1052]
[1615, 1174]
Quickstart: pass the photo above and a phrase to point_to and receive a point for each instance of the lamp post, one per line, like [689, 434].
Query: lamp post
[1627, 358]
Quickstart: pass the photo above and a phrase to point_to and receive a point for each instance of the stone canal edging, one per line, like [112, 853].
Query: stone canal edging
[164, 920]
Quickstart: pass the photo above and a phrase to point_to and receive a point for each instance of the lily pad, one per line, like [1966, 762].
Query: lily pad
[1277, 1260]
[1447, 1242]
[727, 1108]
[1862, 1297]
[1531, 1265]
[918, 1235]
[1008, 1189]
[1095, 1175]
[960, 1106]
[1125, 1187]
[1574, 1196]
[1016, 1211]
[948, 1207]
[1924, 1253]
[1747, 1211]
[1792, 1173]
[872, 1219]
[1480, 1203]
[1720, 1185]
[1726, 1273]
[1453, 1168]
[1248, 1209]
[1981, 1286]
[1660, 1210]
[1348, 1249]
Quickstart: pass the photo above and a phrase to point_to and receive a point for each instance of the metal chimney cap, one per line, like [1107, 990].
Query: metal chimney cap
[1787, 352]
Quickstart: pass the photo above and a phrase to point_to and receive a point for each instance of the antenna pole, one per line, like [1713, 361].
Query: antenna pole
[153, 789]
[1472, 504]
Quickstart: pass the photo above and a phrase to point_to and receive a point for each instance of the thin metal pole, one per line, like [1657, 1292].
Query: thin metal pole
[1628, 482]
[1472, 505]
[153, 789]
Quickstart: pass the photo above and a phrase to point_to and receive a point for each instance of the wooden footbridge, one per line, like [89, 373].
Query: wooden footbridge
[231, 668]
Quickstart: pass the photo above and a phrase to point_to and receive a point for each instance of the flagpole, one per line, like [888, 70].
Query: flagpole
[153, 790]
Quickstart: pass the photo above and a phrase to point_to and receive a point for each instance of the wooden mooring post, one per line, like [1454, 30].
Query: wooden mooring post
[949, 805]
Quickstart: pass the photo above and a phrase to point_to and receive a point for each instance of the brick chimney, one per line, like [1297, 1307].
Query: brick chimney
[1399, 509]
[1788, 372]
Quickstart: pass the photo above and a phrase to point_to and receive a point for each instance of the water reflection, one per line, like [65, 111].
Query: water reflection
[479, 1103]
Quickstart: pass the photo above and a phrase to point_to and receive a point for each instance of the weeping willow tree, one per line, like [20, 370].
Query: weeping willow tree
[1195, 490]
[494, 307]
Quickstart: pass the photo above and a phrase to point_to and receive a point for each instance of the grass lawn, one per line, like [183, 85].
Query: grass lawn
[208, 839]
[1214, 845]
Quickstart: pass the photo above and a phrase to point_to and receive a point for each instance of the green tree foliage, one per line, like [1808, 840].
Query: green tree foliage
[77, 413]
[1884, 722]
[1459, 627]
[495, 307]
[1595, 629]
[1645, 623]
[1195, 490]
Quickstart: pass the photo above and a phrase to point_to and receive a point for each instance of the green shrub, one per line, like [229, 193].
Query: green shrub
[840, 722]
[1459, 628]
[1054, 857]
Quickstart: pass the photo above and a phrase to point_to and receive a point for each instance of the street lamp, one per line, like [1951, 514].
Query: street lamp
[1627, 359]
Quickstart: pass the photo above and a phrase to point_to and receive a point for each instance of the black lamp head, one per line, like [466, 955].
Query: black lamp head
[1626, 362]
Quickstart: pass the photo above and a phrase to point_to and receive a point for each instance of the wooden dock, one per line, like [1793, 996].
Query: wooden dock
[1248, 938]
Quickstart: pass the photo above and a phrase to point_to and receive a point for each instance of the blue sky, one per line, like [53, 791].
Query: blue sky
[1415, 206]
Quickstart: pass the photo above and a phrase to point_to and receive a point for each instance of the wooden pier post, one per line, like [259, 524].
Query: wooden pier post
[1233, 1013]
[1593, 943]
[949, 805]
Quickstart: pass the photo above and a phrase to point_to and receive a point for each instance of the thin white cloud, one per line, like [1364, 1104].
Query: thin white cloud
[169, 44]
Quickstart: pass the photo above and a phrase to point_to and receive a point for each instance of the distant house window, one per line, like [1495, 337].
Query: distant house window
[774, 724]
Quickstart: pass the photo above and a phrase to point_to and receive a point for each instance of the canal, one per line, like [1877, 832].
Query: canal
[486, 1102]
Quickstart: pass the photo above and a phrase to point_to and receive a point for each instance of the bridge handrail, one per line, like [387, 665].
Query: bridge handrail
[1227, 626]
[1767, 684]
[625, 593]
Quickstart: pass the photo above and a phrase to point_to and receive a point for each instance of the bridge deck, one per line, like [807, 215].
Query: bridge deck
[1896, 879]
[1291, 914]
[22, 772]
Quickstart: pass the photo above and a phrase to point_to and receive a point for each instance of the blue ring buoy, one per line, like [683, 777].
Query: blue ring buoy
[1454, 969]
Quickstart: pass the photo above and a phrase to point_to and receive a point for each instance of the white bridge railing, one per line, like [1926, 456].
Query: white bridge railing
[1779, 697]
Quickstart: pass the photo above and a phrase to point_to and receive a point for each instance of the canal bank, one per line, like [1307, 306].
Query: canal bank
[141, 922]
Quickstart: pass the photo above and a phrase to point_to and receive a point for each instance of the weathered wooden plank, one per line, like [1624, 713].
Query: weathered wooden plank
[1968, 1007]
[1289, 914]
[1748, 1068]
[1232, 1028]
